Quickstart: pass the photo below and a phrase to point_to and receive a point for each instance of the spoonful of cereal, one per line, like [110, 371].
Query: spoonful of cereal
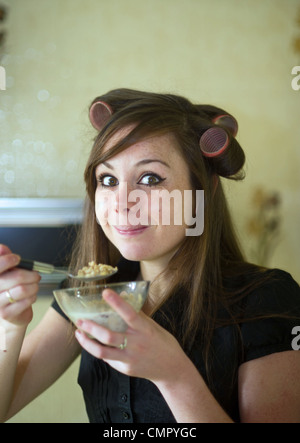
[88, 273]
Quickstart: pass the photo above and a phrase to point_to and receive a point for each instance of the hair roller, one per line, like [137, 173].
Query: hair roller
[213, 142]
[229, 160]
[219, 117]
[99, 113]
[228, 122]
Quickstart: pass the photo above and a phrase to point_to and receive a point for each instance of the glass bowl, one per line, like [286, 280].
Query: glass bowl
[87, 302]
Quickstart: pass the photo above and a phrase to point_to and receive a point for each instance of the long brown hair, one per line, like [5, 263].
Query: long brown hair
[202, 263]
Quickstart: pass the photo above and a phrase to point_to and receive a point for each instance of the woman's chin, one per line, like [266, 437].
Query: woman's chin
[135, 251]
[133, 255]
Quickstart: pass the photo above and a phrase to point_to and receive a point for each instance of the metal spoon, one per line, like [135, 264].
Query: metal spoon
[46, 268]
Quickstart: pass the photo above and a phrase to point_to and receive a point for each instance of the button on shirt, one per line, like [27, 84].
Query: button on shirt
[112, 397]
[124, 409]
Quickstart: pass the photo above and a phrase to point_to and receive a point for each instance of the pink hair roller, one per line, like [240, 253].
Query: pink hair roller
[213, 142]
[228, 122]
[100, 113]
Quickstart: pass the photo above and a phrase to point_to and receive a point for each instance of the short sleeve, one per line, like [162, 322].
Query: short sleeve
[56, 307]
[277, 302]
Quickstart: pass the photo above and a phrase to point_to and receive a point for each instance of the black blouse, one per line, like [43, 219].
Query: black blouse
[112, 397]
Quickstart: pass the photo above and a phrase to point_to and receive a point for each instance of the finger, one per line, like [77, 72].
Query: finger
[124, 309]
[4, 249]
[12, 310]
[99, 350]
[100, 333]
[16, 277]
[18, 293]
[8, 261]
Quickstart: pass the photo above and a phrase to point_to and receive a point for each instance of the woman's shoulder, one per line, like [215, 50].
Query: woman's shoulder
[274, 291]
[271, 311]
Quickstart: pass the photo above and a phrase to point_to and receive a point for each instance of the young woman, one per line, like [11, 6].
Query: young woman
[213, 342]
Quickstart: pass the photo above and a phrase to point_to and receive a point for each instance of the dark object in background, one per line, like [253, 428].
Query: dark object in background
[46, 244]
[43, 230]
[3, 13]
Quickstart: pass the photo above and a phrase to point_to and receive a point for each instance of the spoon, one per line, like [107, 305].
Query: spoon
[46, 268]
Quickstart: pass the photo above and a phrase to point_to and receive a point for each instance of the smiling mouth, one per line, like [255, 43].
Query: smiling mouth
[130, 230]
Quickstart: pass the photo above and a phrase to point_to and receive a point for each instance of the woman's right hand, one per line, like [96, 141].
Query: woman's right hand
[19, 284]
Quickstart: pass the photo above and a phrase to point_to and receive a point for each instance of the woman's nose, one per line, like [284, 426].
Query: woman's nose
[122, 202]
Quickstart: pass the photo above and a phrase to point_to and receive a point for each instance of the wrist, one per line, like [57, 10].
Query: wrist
[12, 328]
[181, 374]
[188, 396]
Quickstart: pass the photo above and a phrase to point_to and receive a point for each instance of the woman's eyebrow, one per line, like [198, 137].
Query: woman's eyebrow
[150, 160]
[141, 162]
[108, 165]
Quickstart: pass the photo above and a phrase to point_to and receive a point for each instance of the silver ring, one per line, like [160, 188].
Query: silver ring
[124, 344]
[10, 298]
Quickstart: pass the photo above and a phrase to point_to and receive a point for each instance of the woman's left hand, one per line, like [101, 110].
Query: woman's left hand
[154, 354]
[150, 350]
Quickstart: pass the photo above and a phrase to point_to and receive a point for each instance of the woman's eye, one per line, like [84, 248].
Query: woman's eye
[150, 180]
[108, 181]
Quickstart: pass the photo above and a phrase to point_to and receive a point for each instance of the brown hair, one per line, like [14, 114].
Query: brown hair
[202, 263]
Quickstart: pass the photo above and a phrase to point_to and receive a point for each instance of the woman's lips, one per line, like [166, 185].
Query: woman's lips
[130, 231]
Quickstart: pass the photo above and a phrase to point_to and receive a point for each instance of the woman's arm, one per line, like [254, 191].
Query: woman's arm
[188, 396]
[269, 389]
[27, 367]
[45, 355]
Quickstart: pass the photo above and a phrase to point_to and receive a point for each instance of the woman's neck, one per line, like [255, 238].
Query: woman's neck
[153, 271]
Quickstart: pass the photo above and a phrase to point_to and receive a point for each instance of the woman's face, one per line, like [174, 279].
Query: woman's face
[134, 204]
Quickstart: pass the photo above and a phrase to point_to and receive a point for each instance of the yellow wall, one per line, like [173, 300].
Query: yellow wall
[237, 54]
